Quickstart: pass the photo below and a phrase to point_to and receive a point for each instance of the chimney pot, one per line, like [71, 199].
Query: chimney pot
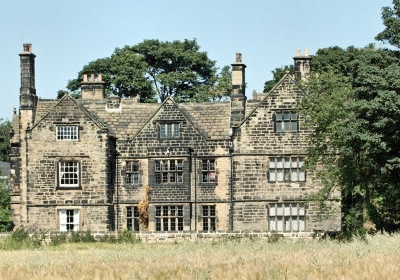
[28, 48]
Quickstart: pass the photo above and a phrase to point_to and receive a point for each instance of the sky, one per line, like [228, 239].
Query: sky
[66, 35]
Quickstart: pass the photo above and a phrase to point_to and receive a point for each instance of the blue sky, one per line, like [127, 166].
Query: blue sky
[66, 35]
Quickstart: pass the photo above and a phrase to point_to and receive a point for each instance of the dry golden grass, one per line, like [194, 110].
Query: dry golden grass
[378, 258]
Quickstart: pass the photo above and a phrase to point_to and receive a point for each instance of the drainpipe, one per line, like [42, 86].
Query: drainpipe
[117, 186]
[231, 191]
[195, 190]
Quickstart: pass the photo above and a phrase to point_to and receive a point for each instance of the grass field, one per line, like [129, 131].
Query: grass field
[376, 258]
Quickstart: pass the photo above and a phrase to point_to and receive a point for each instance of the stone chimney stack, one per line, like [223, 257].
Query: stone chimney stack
[92, 87]
[238, 97]
[302, 65]
[27, 95]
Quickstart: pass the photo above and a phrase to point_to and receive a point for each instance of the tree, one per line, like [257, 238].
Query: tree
[5, 128]
[391, 19]
[278, 73]
[155, 70]
[123, 74]
[5, 213]
[354, 106]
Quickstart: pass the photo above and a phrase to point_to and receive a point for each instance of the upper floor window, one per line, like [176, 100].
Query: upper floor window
[208, 170]
[67, 132]
[286, 169]
[68, 174]
[286, 121]
[169, 130]
[169, 171]
[132, 172]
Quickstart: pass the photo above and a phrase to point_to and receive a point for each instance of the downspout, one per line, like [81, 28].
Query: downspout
[231, 191]
[117, 186]
[195, 191]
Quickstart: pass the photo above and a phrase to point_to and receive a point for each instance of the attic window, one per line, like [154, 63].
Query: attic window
[169, 130]
[65, 132]
[286, 121]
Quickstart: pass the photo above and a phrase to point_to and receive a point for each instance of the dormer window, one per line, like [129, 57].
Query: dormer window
[169, 130]
[114, 104]
[66, 132]
[286, 121]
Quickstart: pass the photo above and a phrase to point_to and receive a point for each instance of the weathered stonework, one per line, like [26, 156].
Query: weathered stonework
[207, 164]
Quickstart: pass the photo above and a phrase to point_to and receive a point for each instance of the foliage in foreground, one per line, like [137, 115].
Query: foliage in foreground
[22, 238]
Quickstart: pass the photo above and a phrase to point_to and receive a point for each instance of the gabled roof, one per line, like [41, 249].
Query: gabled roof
[43, 105]
[211, 120]
[286, 78]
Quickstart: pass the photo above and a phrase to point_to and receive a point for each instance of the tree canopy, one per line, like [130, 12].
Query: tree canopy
[277, 74]
[391, 20]
[5, 214]
[154, 70]
[5, 127]
[354, 106]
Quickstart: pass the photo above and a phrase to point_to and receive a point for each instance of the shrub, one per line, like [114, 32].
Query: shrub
[21, 239]
[125, 236]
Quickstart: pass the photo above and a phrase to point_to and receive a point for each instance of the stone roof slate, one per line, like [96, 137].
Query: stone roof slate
[211, 119]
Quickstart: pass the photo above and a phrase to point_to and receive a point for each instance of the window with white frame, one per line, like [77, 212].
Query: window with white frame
[69, 220]
[169, 171]
[286, 217]
[208, 170]
[169, 218]
[65, 132]
[286, 121]
[132, 172]
[169, 130]
[209, 217]
[288, 169]
[132, 218]
[68, 174]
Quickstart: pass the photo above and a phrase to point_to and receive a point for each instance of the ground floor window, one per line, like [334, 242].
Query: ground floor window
[286, 217]
[209, 217]
[169, 218]
[69, 220]
[132, 218]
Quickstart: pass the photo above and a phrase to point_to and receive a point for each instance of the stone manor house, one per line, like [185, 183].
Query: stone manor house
[237, 166]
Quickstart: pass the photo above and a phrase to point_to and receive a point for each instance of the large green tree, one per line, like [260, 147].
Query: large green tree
[354, 106]
[155, 70]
